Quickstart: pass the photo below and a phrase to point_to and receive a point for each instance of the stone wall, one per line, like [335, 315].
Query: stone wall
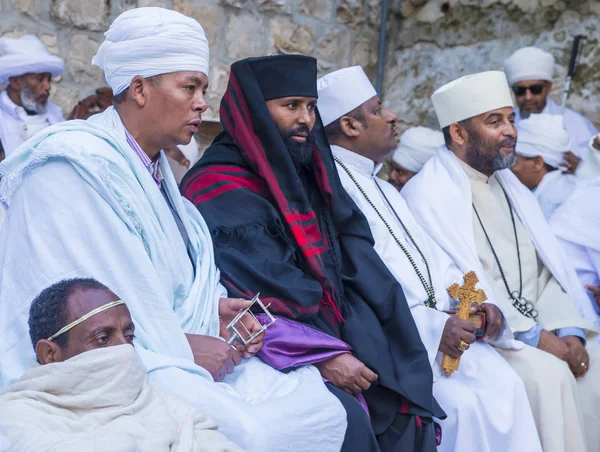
[432, 42]
[337, 32]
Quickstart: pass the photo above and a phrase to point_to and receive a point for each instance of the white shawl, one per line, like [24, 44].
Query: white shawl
[101, 400]
[440, 198]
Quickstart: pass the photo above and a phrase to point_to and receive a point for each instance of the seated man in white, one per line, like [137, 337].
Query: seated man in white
[530, 71]
[476, 209]
[542, 142]
[485, 399]
[91, 391]
[97, 199]
[26, 68]
[416, 146]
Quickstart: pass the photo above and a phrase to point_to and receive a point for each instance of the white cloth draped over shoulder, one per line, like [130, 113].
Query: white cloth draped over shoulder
[475, 397]
[82, 204]
[446, 214]
[101, 400]
[577, 225]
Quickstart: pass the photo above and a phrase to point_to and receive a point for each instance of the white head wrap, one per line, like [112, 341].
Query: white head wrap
[544, 135]
[417, 145]
[342, 91]
[148, 42]
[529, 63]
[26, 55]
[470, 96]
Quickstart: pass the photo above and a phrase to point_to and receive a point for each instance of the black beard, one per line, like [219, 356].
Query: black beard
[484, 155]
[301, 153]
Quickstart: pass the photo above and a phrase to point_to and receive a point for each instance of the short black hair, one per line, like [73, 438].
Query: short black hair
[334, 131]
[48, 312]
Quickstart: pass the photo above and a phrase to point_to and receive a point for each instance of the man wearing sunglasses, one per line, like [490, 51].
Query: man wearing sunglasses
[529, 71]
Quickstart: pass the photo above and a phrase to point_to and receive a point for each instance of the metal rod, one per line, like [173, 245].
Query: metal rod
[381, 49]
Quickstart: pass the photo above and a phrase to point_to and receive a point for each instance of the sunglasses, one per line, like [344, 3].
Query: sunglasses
[534, 89]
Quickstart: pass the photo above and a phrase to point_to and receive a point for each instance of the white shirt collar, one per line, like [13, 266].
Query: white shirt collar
[356, 161]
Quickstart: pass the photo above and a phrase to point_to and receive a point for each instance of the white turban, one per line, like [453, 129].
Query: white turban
[417, 145]
[544, 135]
[148, 42]
[529, 63]
[26, 55]
[470, 96]
[342, 91]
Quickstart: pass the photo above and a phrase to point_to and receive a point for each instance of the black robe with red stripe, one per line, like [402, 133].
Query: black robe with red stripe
[295, 236]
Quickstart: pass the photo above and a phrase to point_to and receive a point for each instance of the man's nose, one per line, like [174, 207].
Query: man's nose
[200, 103]
[304, 117]
[528, 95]
[390, 115]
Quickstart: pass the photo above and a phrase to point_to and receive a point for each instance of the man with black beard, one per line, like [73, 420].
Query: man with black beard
[284, 226]
[475, 208]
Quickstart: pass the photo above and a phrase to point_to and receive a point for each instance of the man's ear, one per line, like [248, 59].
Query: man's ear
[458, 133]
[350, 126]
[14, 83]
[138, 90]
[47, 352]
[538, 163]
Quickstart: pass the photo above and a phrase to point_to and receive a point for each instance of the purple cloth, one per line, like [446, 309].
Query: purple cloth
[152, 167]
[289, 344]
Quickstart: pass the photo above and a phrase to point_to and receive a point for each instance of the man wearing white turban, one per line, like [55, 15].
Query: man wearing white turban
[476, 209]
[26, 69]
[97, 199]
[416, 146]
[481, 398]
[540, 147]
[529, 71]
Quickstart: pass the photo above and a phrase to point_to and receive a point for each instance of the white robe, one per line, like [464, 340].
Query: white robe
[576, 224]
[553, 191]
[440, 197]
[480, 414]
[14, 130]
[101, 401]
[82, 204]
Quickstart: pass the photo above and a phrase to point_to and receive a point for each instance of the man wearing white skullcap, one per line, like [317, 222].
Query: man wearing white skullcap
[103, 203]
[530, 71]
[476, 209]
[417, 145]
[540, 147]
[26, 69]
[359, 147]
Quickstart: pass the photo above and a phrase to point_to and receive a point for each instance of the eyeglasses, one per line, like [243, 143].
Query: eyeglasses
[534, 89]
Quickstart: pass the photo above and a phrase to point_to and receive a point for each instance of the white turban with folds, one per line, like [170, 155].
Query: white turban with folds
[417, 145]
[544, 135]
[148, 42]
[26, 55]
[529, 63]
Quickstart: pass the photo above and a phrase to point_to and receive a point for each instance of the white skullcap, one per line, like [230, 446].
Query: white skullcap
[342, 91]
[148, 42]
[26, 55]
[417, 145]
[544, 135]
[470, 96]
[529, 63]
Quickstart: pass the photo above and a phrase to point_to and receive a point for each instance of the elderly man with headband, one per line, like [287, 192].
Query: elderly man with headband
[102, 202]
[89, 366]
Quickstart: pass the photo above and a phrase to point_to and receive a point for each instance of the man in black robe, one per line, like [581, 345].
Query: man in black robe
[284, 226]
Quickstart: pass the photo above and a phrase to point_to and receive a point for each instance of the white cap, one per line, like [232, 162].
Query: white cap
[26, 55]
[470, 96]
[544, 135]
[417, 145]
[342, 91]
[529, 63]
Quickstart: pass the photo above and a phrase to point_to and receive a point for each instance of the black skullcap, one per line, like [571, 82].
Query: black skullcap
[285, 75]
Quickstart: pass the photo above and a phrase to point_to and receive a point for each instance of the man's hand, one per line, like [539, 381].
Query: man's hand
[347, 373]
[228, 309]
[596, 142]
[456, 330]
[551, 344]
[595, 290]
[577, 356]
[493, 320]
[571, 163]
[215, 355]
